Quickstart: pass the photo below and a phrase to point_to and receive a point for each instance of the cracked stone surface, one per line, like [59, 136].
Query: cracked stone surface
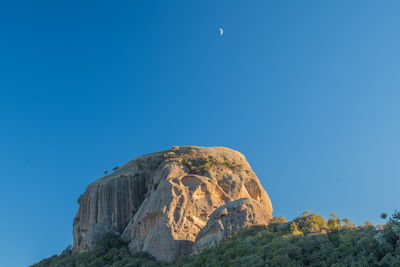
[173, 203]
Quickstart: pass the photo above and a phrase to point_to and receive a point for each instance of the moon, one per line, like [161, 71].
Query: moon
[221, 31]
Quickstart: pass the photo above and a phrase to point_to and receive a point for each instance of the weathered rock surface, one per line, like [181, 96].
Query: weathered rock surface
[228, 219]
[109, 203]
[174, 202]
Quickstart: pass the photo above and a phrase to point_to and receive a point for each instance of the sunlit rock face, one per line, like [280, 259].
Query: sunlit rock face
[173, 203]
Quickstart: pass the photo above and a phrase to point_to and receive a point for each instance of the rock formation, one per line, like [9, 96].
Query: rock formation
[228, 219]
[173, 203]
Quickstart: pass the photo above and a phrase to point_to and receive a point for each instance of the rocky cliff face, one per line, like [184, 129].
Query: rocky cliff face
[173, 203]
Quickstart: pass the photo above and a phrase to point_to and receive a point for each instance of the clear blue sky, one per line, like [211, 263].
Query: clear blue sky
[308, 91]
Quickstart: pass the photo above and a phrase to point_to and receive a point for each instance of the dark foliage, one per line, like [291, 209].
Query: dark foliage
[308, 240]
[111, 252]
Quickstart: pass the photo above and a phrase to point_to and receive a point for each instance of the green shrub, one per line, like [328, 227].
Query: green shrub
[112, 251]
[206, 167]
[227, 163]
[79, 199]
[186, 162]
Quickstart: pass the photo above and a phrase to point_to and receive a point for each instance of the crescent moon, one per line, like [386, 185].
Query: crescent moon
[221, 31]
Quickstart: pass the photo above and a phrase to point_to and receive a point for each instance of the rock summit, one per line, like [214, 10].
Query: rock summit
[173, 203]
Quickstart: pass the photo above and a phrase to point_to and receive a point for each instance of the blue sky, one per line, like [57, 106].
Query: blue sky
[308, 91]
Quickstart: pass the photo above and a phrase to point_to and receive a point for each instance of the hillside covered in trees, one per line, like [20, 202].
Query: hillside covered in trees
[308, 240]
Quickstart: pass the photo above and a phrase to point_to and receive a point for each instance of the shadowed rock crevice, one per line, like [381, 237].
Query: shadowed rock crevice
[173, 203]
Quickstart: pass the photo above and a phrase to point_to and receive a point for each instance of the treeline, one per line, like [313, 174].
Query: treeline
[308, 240]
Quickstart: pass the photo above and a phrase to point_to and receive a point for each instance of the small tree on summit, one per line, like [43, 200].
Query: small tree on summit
[306, 213]
[334, 223]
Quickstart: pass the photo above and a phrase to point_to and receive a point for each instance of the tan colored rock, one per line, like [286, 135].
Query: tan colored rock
[109, 203]
[230, 218]
[161, 202]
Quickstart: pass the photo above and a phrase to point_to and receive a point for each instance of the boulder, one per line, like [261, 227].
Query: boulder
[228, 219]
[174, 202]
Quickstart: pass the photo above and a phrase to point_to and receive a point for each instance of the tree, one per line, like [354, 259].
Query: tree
[306, 213]
[294, 229]
[348, 223]
[334, 223]
[278, 220]
[367, 224]
[333, 215]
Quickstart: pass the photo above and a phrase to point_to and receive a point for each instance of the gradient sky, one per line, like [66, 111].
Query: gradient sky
[308, 91]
